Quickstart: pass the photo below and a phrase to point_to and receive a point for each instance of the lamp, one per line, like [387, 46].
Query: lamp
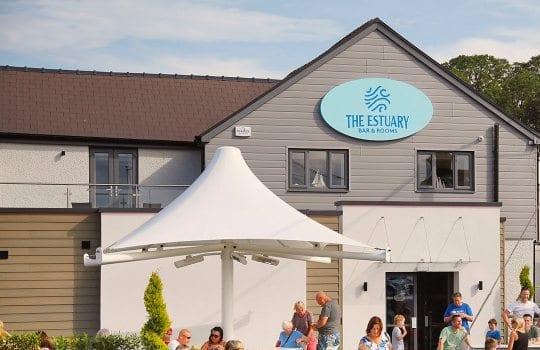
[265, 259]
[364, 286]
[239, 257]
[480, 285]
[189, 260]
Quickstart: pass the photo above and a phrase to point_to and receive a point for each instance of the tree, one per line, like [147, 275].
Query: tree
[483, 72]
[514, 88]
[158, 318]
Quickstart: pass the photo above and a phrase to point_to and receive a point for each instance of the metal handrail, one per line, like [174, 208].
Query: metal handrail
[116, 191]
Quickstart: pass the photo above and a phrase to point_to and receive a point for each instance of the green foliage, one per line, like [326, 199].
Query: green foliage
[525, 281]
[25, 341]
[514, 88]
[30, 341]
[158, 319]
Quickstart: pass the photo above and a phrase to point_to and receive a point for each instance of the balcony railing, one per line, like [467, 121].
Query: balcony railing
[68, 195]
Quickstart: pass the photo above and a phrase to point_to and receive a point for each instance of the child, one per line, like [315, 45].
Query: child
[398, 333]
[491, 344]
[493, 332]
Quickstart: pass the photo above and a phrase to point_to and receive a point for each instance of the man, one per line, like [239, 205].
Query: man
[530, 329]
[458, 307]
[521, 307]
[329, 322]
[184, 337]
[452, 337]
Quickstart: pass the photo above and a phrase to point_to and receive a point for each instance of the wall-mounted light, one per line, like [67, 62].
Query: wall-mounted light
[364, 287]
[63, 153]
[480, 285]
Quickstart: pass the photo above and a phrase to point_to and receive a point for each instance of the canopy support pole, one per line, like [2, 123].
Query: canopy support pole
[227, 296]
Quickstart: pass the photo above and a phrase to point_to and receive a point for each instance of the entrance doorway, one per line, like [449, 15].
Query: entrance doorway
[422, 297]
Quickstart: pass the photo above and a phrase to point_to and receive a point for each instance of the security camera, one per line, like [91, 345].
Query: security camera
[480, 138]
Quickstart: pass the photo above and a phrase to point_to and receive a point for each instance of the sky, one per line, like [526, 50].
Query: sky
[248, 38]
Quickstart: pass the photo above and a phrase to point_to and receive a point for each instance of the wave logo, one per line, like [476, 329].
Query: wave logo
[377, 99]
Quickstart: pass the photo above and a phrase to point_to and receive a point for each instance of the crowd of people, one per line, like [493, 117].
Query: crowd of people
[215, 341]
[303, 331]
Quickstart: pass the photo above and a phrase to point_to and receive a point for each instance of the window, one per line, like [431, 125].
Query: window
[442, 171]
[318, 170]
[114, 175]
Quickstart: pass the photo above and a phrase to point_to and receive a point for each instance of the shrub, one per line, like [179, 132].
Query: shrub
[525, 281]
[158, 318]
[30, 341]
[24, 341]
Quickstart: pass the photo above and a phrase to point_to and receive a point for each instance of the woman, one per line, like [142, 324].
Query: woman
[302, 320]
[374, 339]
[289, 338]
[45, 342]
[215, 340]
[518, 339]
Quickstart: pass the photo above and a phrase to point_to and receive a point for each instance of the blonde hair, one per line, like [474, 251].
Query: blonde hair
[520, 324]
[399, 317]
[3, 332]
[234, 345]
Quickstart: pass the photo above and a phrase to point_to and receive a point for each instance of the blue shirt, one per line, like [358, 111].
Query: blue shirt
[289, 341]
[464, 308]
[494, 334]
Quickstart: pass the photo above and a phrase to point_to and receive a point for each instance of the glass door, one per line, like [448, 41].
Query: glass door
[113, 173]
[401, 299]
[422, 298]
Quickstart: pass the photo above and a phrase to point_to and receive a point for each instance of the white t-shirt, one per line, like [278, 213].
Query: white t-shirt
[518, 308]
[173, 344]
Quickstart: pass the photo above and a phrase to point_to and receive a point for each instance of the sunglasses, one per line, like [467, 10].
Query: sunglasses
[214, 335]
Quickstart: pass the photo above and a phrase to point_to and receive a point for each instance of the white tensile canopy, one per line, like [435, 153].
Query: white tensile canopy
[228, 211]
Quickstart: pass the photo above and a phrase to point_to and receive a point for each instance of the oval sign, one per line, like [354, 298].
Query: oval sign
[376, 109]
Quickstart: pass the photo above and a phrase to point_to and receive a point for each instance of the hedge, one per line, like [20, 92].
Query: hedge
[30, 341]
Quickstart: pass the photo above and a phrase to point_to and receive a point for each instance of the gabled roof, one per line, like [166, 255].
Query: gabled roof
[120, 106]
[373, 25]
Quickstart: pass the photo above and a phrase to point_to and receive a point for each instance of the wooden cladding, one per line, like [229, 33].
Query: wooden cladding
[323, 277]
[43, 283]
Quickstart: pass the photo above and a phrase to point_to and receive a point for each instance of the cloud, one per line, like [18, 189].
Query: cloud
[167, 64]
[514, 44]
[33, 26]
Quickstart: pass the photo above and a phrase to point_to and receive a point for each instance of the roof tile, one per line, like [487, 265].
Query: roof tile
[114, 105]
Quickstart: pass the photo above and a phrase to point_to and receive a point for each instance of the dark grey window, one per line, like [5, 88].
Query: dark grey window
[318, 170]
[445, 171]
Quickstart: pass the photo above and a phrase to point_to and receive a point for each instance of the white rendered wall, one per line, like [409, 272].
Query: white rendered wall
[517, 254]
[264, 295]
[166, 167]
[441, 241]
[48, 176]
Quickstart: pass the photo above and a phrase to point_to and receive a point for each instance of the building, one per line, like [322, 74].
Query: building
[454, 193]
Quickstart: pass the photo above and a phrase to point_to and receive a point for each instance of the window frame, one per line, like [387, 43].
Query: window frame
[330, 187]
[455, 187]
